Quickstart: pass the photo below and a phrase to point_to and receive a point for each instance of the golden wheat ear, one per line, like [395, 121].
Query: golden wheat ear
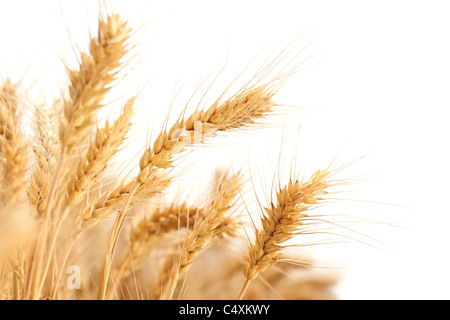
[211, 222]
[46, 150]
[283, 220]
[90, 83]
[106, 143]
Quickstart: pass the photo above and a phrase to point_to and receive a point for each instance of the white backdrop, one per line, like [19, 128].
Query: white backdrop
[378, 85]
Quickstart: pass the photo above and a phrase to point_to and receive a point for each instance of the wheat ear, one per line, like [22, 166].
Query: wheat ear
[281, 222]
[214, 222]
[89, 84]
[46, 149]
[105, 145]
[92, 81]
[8, 109]
[107, 203]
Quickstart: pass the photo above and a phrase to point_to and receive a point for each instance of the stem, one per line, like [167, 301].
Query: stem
[244, 289]
[51, 249]
[58, 279]
[173, 286]
[114, 236]
[42, 240]
[16, 285]
[117, 280]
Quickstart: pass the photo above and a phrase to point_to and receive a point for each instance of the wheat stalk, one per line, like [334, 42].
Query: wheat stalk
[107, 142]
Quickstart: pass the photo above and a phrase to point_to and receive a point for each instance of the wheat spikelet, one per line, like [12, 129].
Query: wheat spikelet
[281, 222]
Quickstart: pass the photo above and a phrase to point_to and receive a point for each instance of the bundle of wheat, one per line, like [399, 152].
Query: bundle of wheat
[51, 193]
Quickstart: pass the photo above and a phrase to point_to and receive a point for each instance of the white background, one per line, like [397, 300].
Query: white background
[378, 85]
